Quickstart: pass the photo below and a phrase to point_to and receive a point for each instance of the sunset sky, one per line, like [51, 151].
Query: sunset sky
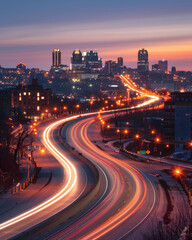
[29, 30]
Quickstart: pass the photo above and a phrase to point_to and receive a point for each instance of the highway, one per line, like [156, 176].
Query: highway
[129, 199]
[125, 190]
[40, 204]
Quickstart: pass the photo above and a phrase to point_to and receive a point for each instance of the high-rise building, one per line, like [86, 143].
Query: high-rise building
[111, 67]
[120, 61]
[163, 65]
[86, 61]
[78, 62]
[143, 64]
[93, 62]
[84, 57]
[56, 56]
[173, 70]
[92, 56]
[155, 68]
[108, 67]
[76, 57]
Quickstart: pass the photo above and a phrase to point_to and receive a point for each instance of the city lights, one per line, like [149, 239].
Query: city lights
[96, 121]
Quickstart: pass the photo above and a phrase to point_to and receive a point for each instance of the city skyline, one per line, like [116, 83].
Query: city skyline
[29, 33]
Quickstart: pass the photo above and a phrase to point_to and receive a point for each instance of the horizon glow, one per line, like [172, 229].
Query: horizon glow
[30, 33]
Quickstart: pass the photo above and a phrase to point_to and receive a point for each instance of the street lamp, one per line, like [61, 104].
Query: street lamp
[119, 131]
[91, 104]
[157, 140]
[137, 136]
[42, 150]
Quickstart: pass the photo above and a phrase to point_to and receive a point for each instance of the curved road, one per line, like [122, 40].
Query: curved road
[126, 190]
[55, 197]
[129, 199]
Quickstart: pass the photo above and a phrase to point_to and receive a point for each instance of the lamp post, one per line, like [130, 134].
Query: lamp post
[77, 107]
[91, 104]
[119, 132]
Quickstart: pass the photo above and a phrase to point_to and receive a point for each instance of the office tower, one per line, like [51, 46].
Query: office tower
[173, 70]
[56, 56]
[76, 57]
[84, 57]
[93, 63]
[100, 63]
[92, 56]
[120, 61]
[155, 68]
[21, 66]
[163, 65]
[111, 67]
[78, 61]
[108, 67]
[143, 64]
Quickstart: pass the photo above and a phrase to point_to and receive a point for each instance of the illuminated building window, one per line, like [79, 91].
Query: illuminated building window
[19, 98]
[24, 113]
[19, 94]
[42, 97]
[29, 93]
[38, 108]
[37, 98]
[38, 94]
[24, 93]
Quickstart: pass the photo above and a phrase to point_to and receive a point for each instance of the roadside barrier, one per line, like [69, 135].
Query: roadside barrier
[187, 186]
[25, 183]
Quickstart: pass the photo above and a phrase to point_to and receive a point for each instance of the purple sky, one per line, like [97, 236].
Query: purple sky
[30, 30]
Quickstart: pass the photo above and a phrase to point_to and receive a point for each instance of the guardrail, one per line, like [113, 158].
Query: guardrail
[26, 182]
[187, 186]
[134, 156]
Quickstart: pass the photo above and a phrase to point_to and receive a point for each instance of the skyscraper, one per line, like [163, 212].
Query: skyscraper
[92, 56]
[163, 65]
[173, 70]
[93, 62]
[78, 61]
[108, 67]
[155, 68]
[120, 61]
[143, 64]
[56, 56]
[76, 57]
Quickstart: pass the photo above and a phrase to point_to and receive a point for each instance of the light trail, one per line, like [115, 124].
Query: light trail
[70, 169]
[113, 168]
[129, 209]
[129, 83]
[70, 173]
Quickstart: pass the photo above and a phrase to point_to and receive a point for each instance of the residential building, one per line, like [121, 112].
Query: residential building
[32, 99]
